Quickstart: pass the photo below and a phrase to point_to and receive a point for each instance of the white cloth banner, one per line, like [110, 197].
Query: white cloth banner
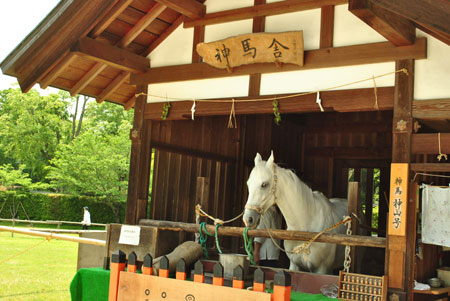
[436, 215]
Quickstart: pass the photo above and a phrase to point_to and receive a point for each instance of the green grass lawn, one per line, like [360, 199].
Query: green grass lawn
[42, 273]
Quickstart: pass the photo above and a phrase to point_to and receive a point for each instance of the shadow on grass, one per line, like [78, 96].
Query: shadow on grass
[32, 293]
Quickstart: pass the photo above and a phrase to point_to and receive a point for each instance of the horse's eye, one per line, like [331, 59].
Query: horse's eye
[263, 184]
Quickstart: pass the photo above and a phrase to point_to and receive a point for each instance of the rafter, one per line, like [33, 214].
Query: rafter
[188, 8]
[87, 78]
[110, 16]
[112, 56]
[321, 58]
[398, 30]
[164, 35]
[55, 71]
[130, 103]
[326, 26]
[270, 9]
[115, 83]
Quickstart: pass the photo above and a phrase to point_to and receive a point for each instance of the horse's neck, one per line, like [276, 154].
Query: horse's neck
[297, 203]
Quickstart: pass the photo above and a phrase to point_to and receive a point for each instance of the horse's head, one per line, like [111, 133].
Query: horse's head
[261, 190]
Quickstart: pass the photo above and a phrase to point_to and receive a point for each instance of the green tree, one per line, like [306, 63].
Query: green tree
[31, 128]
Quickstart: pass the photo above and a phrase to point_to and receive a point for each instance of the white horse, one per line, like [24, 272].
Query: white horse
[303, 210]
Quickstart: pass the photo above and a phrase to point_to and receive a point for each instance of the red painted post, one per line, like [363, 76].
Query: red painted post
[259, 281]
[218, 274]
[199, 275]
[181, 270]
[132, 263]
[164, 267]
[118, 260]
[147, 266]
[282, 286]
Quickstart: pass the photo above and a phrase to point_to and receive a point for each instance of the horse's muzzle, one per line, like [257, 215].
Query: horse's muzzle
[251, 218]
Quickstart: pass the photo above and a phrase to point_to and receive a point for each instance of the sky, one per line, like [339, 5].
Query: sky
[19, 18]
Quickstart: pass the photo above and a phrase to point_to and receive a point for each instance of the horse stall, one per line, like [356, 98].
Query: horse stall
[347, 97]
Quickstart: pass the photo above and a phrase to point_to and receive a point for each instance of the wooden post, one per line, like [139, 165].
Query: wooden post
[259, 281]
[181, 270]
[238, 277]
[132, 262]
[199, 275]
[353, 208]
[218, 274]
[138, 182]
[398, 244]
[282, 286]
[164, 267]
[117, 265]
[147, 266]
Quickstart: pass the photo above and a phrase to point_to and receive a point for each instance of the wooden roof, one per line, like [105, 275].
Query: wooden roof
[91, 47]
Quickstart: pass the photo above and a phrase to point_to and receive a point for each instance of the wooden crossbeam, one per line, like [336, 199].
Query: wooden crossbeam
[429, 143]
[188, 8]
[111, 55]
[110, 16]
[270, 9]
[339, 101]
[397, 29]
[115, 83]
[130, 103]
[432, 109]
[434, 167]
[163, 36]
[320, 58]
[55, 71]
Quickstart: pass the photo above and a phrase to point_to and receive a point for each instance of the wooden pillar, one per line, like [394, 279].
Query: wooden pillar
[138, 181]
[399, 251]
[353, 198]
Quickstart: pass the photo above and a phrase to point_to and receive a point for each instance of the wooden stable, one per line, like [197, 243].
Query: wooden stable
[122, 51]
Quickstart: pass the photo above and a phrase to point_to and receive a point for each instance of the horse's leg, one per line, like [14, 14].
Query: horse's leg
[293, 266]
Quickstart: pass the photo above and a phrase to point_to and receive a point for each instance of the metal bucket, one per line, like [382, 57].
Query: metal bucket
[230, 261]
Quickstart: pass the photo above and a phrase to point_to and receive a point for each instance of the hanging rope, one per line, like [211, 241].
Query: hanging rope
[199, 210]
[376, 94]
[248, 244]
[348, 259]
[232, 117]
[204, 237]
[441, 155]
[24, 251]
[217, 238]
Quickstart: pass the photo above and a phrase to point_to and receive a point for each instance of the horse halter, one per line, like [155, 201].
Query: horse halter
[260, 208]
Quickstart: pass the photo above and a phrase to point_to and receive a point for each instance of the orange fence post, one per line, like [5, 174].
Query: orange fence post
[181, 270]
[164, 267]
[259, 281]
[218, 274]
[238, 277]
[282, 286]
[117, 265]
[147, 266]
[199, 275]
[132, 263]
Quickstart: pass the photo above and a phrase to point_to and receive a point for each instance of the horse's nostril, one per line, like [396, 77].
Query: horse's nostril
[250, 220]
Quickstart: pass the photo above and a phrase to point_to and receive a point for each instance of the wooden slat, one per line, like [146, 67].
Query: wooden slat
[111, 55]
[326, 26]
[339, 100]
[87, 78]
[398, 30]
[163, 35]
[432, 109]
[270, 9]
[321, 58]
[54, 73]
[189, 8]
[436, 167]
[145, 21]
[130, 103]
[112, 14]
[115, 84]
[429, 143]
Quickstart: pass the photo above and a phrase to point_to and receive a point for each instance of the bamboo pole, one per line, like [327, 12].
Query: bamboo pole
[340, 239]
[83, 240]
[45, 222]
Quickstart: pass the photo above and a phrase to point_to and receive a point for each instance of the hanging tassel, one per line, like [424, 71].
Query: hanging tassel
[232, 117]
[193, 110]
[441, 155]
[319, 102]
[375, 93]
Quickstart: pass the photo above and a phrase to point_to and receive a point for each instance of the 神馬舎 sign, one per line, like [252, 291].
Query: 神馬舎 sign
[398, 199]
[285, 47]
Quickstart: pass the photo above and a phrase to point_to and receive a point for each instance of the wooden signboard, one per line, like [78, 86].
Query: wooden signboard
[285, 47]
[134, 286]
[398, 199]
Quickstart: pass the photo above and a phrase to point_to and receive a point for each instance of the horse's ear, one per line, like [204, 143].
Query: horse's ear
[269, 162]
[257, 158]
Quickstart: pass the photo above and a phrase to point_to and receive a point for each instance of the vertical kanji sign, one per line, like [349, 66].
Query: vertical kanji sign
[398, 199]
[284, 47]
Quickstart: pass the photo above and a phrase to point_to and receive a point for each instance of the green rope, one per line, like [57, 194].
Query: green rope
[217, 238]
[248, 244]
[204, 237]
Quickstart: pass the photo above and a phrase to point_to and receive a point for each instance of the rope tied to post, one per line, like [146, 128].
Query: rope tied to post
[441, 155]
[248, 244]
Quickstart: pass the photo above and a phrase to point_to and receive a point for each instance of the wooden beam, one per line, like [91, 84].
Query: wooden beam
[110, 16]
[341, 239]
[433, 167]
[431, 14]
[326, 26]
[321, 58]
[270, 9]
[163, 35]
[86, 78]
[429, 143]
[54, 73]
[199, 37]
[145, 21]
[114, 85]
[259, 25]
[398, 30]
[432, 109]
[130, 103]
[189, 8]
[339, 100]
[111, 55]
